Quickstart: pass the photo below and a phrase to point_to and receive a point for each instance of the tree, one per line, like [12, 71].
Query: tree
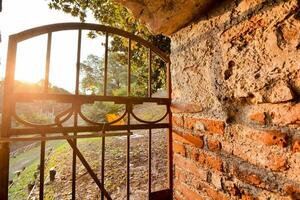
[92, 82]
[92, 71]
[107, 12]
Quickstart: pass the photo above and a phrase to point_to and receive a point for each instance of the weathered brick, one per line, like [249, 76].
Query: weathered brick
[273, 138]
[213, 162]
[177, 121]
[296, 144]
[214, 194]
[277, 163]
[213, 145]
[194, 155]
[211, 126]
[248, 197]
[186, 108]
[179, 148]
[180, 176]
[231, 188]
[187, 138]
[259, 118]
[281, 114]
[190, 166]
[187, 192]
[292, 190]
[247, 176]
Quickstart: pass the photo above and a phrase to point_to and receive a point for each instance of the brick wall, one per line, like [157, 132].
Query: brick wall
[236, 109]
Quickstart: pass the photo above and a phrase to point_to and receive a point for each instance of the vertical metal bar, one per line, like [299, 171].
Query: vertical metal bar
[149, 163]
[150, 74]
[129, 108]
[102, 165]
[150, 131]
[4, 170]
[42, 170]
[43, 143]
[105, 93]
[169, 83]
[170, 139]
[6, 117]
[48, 55]
[76, 114]
[129, 69]
[78, 61]
[105, 64]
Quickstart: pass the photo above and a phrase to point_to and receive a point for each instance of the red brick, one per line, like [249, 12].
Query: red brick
[179, 148]
[253, 179]
[180, 176]
[196, 141]
[259, 118]
[292, 190]
[213, 162]
[202, 158]
[296, 145]
[274, 138]
[190, 166]
[211, 126]
[186, 108]
[214, 194]
[248, 197]
[214, 145]
[194, 155]
[177, 121]
[187, 192]
[248, 177]
[281, 114]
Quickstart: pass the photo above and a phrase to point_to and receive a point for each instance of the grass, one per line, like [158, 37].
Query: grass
[30, 159]
[19, 189]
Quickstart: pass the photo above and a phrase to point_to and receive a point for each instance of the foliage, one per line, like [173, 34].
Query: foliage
[109, 13]
[92, 82]
[19, 188]
[98, 111]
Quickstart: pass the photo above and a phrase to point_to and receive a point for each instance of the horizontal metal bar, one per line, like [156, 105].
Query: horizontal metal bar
[47, 138]
[29, 131]
[67, 98]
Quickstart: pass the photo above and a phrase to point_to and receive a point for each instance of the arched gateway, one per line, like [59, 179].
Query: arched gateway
[57, 131]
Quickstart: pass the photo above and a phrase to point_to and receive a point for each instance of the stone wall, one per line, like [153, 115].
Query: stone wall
[236, 110]
[165, 16]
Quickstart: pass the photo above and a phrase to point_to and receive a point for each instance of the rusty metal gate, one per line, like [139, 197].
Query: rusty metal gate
[43, 133]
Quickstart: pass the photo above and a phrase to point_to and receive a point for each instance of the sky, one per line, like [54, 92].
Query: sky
[19, 15]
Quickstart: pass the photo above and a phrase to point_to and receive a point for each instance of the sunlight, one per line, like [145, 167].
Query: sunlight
[30, 62]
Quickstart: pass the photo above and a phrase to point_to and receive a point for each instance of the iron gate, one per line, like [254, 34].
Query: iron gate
[46, 132]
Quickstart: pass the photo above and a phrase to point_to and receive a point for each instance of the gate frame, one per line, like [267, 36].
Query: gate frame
[8, 133]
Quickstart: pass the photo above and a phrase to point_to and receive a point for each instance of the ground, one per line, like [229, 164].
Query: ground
[59, 157]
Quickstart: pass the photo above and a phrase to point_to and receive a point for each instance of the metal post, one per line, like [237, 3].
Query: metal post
[6, 118]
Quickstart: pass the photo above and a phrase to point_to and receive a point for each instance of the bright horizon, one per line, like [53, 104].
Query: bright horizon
[18, 16]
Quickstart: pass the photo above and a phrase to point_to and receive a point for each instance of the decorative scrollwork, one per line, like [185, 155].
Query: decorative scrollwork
[150, 122]
[100, 123]
[68, 113]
